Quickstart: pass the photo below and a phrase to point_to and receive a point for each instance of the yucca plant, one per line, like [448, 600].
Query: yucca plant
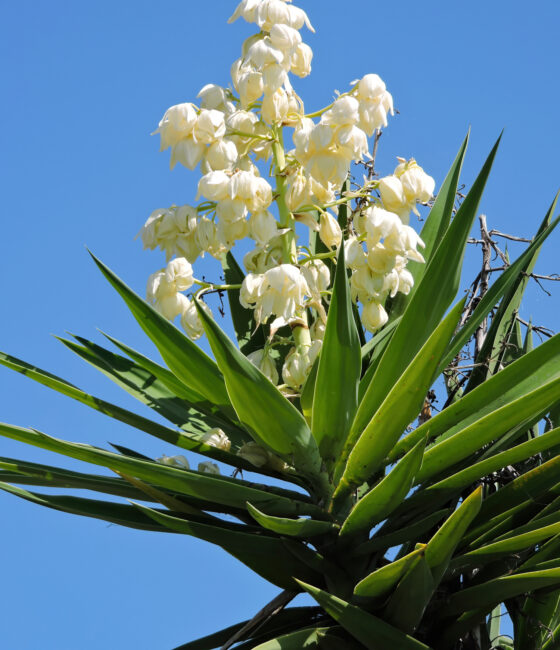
[409, 531]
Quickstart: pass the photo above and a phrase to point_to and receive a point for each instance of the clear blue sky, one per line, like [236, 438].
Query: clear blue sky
[84, 84]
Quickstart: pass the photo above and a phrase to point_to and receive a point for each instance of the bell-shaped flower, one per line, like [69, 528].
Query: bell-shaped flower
[216, 438]
[352, 143]
[262, 52]
[379, 224]
[190, 320]
[174, 461]
[354, 253]
[252, 289]
[188, 152]
[374, 316]
[215, 97]
[210, 126]
[221, 154]
[285, 292]
[262, 360]
[214, 186]
[405, 242]
[245, 9]
[329, 230]
[179, 274]
[298, 364]
[371, 87]
[317, 276]
[229, 210]
[284, 37]
[317, 330]
[254, 453]
[366, 284]
[262, 227]
[381, 259]
[343, 112]
[300, 63]
[208, 467]
[299, 191]
[393, 196]
[275, 107]
[417, 185]
[229, 232]
[177, 122]
[250, 86]
[406, 281]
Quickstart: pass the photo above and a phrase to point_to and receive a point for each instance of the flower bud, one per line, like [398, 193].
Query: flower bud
[354, 253]
[374, 316]
[329, 230]
[317, 276]
[262, 227]
[265, 364]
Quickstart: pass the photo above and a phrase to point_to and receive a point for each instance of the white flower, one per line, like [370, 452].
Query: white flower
[262, 52]
[300, 62]
[163, 295]
[252, 289]
[222, 154]
[275, 107]
[374, 316]
[261, 359]
[245, 9]
[231, 210]
[262, 227]
[317, 330]
[405, 241]
[406, 281]
[253, 190]
[371, 86]
[284, 37]
[393, 197]
[299, 191]
[317, 276]
[273, 12]
[417, 185]
[213, 96]
[343, 112]
[298, 364]
[353, 143]
[214, 186]
[190, 320]
[254, 453]
[177, 123]
[381, 259]
[249, 85]
[217, 438]
[188, 152]
[329, 230]
[207, 237]
[354, 253]
[380, 223]
[174, 461]
[210, 126]
[179, 274]
[172, 230]
[366, 284]
[207, 467]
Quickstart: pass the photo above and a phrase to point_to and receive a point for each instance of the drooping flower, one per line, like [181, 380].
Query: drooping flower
[217, 438]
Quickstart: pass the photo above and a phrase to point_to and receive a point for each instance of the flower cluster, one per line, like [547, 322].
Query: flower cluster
[232, 134]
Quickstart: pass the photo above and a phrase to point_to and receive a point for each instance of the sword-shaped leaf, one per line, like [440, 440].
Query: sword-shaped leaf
[116, 513]
[272, 420]
[265, 555]
[373, 632]
[301, 528]
[520, 414]
[336, 388]
[384, 497]
[219, 489]
[402, 404]
[183, 357]
[532, 370]
[184, 439]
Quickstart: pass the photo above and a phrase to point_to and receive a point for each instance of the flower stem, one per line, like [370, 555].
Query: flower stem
[286, 219]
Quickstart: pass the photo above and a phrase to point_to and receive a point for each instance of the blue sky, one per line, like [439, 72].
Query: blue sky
[84, 85]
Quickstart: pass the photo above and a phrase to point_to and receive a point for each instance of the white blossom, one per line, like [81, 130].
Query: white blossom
[261, 359]
[190, 320]
[177, 123]
[298, 364]
[262, 227]
[174, 461]
[329, 230]
[209, 126]
[207, 467]
[217, 438]
[374, 316]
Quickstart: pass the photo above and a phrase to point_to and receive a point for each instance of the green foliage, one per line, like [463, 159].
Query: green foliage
[407, 533]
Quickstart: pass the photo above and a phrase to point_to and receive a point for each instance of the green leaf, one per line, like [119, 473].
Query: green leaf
[185, 359]
[301, 528]
[496, 591]
[408, 602]
[183, 439]
[532, 370]
[253, 550]
[373, 632]
[195, 418]
[435, 226]
[318, 637]
[250, 335]
[383, 498]
[409, 533]
[519, 414]
[443, 544]
[272, 420]
[380, 582]
[400, 407]
[336, 388]
[433, 296]
[219, 489]
[461, 479]
[116, 513]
